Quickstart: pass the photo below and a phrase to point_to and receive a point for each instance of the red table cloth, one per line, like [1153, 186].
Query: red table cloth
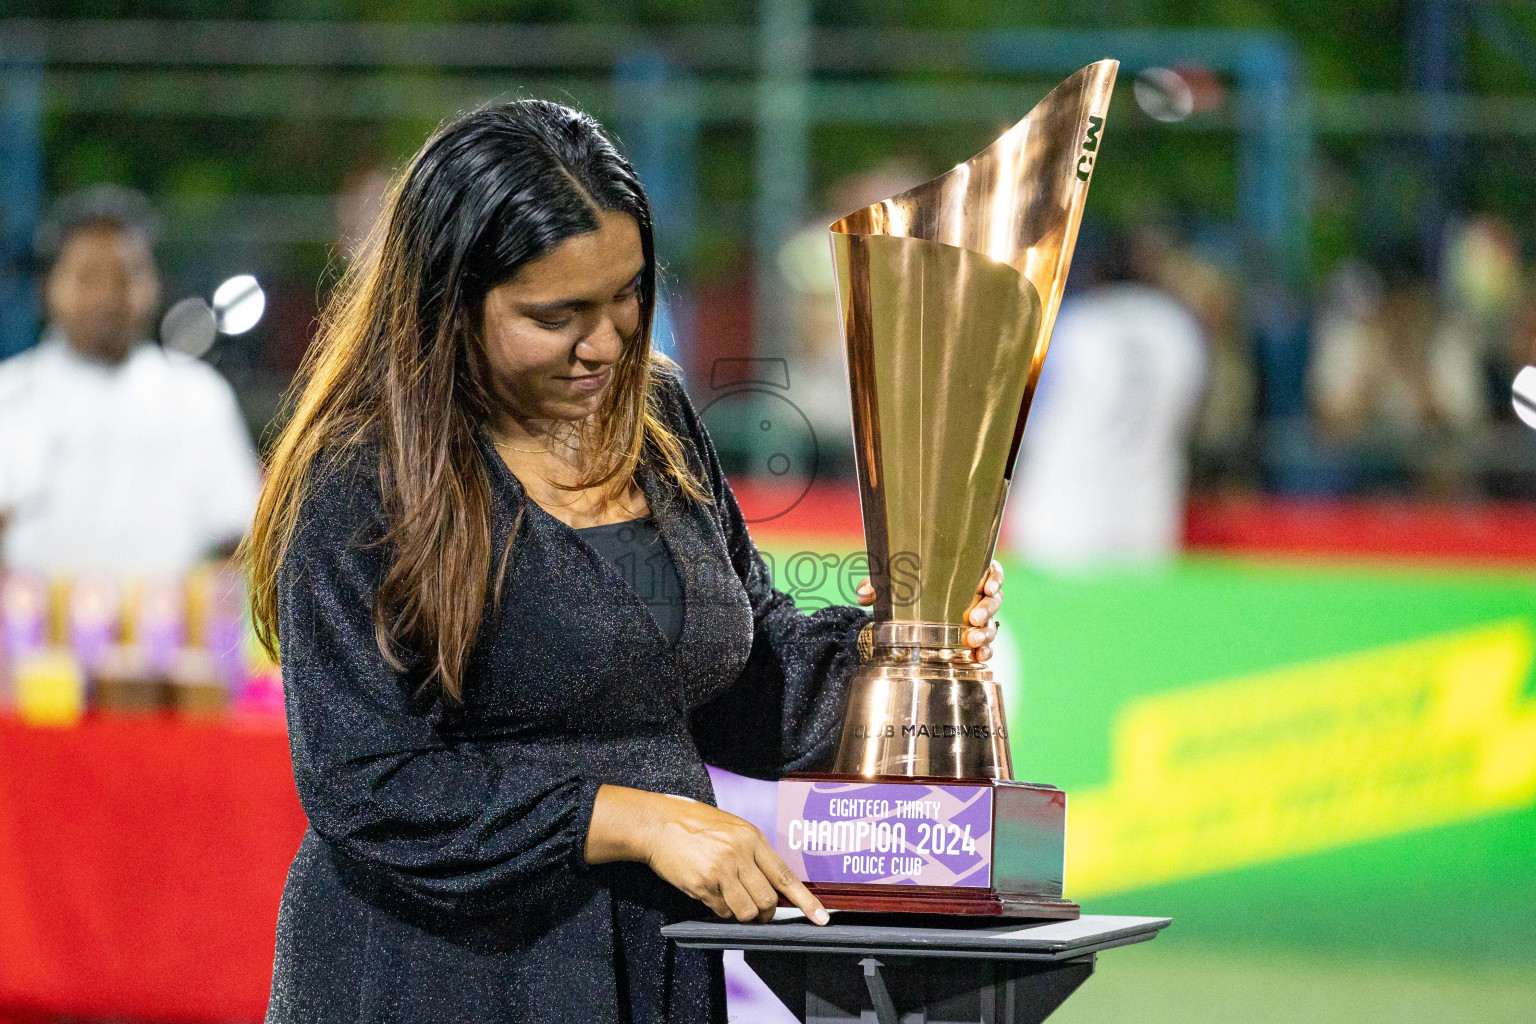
[141, 865]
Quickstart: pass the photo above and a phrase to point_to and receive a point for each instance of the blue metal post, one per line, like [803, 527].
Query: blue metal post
[782, 163]
[1273, 208]
[1272, 171]
[658, 125]
[1437, 71]
[21, 192]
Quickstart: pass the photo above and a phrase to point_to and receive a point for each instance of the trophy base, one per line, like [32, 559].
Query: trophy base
[923, 711]
[927, 845]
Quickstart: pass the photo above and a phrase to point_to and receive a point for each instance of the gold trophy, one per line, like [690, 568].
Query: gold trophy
[948, 292]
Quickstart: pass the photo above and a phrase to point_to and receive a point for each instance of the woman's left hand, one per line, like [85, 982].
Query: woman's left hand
[981, 616]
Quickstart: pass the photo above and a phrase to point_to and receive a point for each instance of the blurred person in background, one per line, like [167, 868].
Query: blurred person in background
[1348, 350]
[1102, 475]
[1394, 383]
[1206, 285]
[1384, 359]
[1474, 351]
[116, 455]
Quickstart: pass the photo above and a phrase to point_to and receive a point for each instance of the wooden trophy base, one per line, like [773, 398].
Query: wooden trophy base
[997, 846]
[913, 899]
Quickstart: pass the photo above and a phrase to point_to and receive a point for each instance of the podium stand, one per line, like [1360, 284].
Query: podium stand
[920, 969]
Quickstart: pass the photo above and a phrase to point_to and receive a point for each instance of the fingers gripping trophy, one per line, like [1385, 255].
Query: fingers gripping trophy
[948, 292]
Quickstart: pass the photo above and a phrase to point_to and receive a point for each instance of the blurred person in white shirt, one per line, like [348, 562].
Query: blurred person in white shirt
[117, 456]
[1102, 473]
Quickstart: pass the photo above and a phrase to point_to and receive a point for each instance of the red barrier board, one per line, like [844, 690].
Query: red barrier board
[1471, 532]
[141, 865]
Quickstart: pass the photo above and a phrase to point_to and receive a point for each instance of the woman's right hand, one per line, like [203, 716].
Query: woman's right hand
[717, 858]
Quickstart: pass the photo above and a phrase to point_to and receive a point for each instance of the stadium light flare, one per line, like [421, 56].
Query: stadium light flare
[189, 326]
[1524, 396]
[1163, 95]
[238, 304]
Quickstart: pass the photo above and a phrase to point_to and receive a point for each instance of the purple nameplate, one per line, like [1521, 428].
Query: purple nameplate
[885, 833]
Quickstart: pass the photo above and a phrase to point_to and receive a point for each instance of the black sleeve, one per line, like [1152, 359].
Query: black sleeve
[796, 677]
[458, 825]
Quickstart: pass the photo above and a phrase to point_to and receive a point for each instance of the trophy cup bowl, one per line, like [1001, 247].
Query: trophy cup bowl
[948, 294]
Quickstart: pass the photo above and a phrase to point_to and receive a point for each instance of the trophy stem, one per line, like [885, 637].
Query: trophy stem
[922, 708]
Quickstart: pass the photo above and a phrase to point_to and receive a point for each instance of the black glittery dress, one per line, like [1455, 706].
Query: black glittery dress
[442, 878]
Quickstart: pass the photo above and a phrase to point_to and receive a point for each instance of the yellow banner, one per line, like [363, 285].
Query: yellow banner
[1307, 758]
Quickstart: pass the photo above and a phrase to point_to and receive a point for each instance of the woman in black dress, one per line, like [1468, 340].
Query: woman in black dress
[499, 745]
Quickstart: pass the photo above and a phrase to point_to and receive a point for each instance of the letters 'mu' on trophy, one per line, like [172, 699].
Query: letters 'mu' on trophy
[949, 292]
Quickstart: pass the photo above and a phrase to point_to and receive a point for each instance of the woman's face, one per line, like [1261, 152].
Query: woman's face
[555, 330]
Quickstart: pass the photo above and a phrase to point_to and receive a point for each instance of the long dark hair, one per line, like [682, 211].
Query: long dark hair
[400, 362]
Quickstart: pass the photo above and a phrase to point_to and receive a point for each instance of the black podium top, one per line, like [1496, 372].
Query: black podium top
[923, 935]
